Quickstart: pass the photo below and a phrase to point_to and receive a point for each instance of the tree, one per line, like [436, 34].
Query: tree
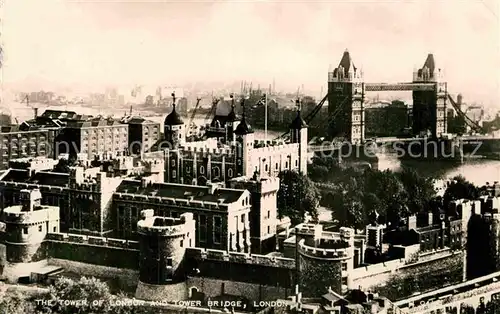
[458, 189]
[14, 303]
[297, 197]
[93, 294]
[419, 189]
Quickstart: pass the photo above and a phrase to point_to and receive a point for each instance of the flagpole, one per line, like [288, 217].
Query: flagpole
[265, 119]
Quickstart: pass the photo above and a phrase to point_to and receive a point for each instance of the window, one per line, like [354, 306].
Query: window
[268, 214]
[243, 218]
[276, 166]
[39, 228]
[266, 167]
[173, 162]
[174, 174]
[182, 243]
[203, 229]
[202, 170]
[217, 230]
[55, 229]
[296, 163]
[169, 262]
[286, 165]
[344, 266]
[230, 173]
[25, 230]
[268, 229]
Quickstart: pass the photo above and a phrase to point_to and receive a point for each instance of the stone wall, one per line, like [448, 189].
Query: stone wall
[316, 275]
[213, 287]
[123, 279]
[423, 276]
[93, 250]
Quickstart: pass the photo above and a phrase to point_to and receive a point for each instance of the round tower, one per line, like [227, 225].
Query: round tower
[174, 128]
[26, 226]
[162, 245]
[325, 262]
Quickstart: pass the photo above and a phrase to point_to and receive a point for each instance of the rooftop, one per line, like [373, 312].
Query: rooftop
[180, 191]
[42, 177]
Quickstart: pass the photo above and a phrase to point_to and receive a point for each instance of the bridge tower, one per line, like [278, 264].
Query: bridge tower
[429, 106]
[345, 101]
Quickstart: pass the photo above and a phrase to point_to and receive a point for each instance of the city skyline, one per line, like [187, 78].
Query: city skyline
[124, 43]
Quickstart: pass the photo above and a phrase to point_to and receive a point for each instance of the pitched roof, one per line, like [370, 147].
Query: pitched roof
[180, 191]
[346, 62]
[429, 63]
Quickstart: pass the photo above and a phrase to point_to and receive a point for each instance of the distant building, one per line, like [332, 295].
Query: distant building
[95, 137]
[142, 133]
[386, 119]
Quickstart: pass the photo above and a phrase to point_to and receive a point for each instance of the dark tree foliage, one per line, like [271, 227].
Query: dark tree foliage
[63, 166]
[354, 196]
[460, 188]
[297, 197]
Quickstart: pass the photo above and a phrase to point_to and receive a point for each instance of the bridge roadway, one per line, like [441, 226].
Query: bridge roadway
[450, 297]
[337, 144]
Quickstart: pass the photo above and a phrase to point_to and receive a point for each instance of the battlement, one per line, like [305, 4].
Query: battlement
[170, 200]
[220, 151]
[16, 214]
[241, 258]
[165, 226]
[90, 240]
[259, 185]
[284, 148]
[31, 186]
[325, 252]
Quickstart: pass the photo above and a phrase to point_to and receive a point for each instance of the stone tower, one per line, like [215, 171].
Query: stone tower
[174, 128]
[244, 144]
[298, 134]
[324, 261]
[345, 101]
[162, 245]
[26, 228]
[429, 106]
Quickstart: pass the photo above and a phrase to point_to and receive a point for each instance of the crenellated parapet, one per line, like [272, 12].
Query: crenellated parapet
[335, 250]
[91, 240]
[200, 254]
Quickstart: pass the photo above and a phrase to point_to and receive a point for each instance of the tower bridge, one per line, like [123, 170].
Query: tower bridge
[346, 112]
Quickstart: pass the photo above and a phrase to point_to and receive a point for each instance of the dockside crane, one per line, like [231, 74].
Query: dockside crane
[191, 124]
[213, 109]
[310, 116]
[471, 123]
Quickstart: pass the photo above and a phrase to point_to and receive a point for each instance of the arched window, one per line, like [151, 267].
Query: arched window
[216, 171]
[230, 173]
[202, 170]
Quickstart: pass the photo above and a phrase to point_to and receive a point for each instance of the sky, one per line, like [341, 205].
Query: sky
[91, 44]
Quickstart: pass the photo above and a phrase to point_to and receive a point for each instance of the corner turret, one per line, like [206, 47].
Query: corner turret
[244, 145]
[298, 132]
[173, 128]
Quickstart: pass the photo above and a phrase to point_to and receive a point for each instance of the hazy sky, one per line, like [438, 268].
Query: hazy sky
[126, 42]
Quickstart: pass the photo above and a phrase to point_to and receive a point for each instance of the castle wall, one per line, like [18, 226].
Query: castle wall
[213, 287]
[93, 250]
[241, 267]
[395, 280]
[126, 279]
